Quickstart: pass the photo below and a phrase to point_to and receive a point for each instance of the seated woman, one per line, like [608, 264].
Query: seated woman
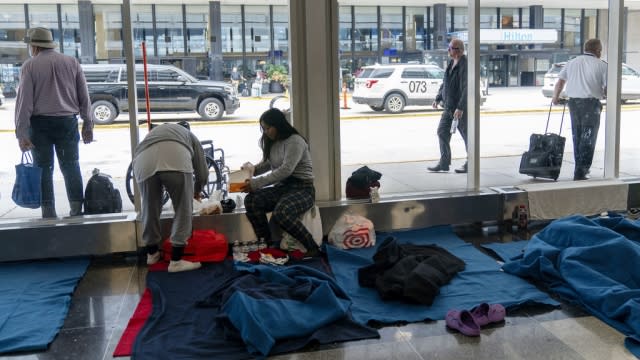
[286, 164]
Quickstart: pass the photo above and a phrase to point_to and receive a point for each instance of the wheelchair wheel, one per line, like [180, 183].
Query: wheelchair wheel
[280, 102]
[129, 184]
[215, 178]
[215, 181]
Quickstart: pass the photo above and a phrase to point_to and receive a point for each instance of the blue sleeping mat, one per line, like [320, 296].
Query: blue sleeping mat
[34, 301]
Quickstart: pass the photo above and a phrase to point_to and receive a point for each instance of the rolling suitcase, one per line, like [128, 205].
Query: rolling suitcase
[544, 158]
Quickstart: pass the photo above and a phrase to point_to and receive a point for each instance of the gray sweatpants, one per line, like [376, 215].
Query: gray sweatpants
[179, 185]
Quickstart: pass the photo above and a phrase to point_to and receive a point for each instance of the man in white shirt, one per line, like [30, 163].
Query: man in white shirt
[586, 80]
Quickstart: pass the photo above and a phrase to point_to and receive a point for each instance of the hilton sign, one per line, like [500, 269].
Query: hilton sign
[512, 36]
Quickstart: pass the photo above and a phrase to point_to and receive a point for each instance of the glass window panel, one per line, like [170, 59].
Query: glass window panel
[108, 25]
[460, 19]
[231, 29]
[168, 75]
[510, 18]
[257, 23]
[416, 28]
[366, 31]
[572, 30]
[525, 18]
[488, 18]
[142, 25]
[413, 73]
[170, 36]
[391, 27]
[45, 16]
[197, 30]
[281, 30]
[106, 75]
[590, 24]
[12, 46]
[553, 20]
[70, 30]
[344, 21]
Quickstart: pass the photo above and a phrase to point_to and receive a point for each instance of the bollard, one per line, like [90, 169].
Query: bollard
[344, 96]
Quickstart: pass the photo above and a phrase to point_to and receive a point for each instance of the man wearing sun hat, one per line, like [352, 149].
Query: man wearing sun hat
[52, 96]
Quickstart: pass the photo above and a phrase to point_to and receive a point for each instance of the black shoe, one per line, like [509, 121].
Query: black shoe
[438, 167]
[315, 252]
[581, 174]
[462, 169]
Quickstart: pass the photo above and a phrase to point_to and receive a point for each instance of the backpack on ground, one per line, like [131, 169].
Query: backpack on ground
[100, 197]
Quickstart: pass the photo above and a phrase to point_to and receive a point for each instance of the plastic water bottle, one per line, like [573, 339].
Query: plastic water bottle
[236, 249]
[523, 217]
[253, 246]
[374, 195]
[454, 125]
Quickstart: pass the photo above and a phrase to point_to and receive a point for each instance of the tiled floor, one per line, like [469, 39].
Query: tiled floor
[106, 298]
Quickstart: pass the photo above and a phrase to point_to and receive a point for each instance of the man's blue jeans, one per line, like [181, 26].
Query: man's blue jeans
[59, 133]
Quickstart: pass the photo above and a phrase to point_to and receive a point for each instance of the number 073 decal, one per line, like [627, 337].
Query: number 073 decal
[418, 86]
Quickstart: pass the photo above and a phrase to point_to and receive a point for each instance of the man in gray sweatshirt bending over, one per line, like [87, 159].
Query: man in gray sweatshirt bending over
[170, 156]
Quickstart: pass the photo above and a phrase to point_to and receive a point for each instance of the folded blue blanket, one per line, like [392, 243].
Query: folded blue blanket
[592, 262]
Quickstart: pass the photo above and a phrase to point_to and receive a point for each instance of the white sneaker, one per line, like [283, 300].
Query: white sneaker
[152, 259]
[183, 265]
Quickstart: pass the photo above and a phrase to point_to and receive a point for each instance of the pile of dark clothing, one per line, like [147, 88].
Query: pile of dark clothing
[412, 273]
[361, 181]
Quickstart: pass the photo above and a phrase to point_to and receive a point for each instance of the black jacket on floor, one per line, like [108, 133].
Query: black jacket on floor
[409, 272]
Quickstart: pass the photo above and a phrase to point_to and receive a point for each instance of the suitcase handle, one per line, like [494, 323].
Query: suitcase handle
[564, 106]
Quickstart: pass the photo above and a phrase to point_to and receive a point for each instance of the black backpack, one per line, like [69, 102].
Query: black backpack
[100, 197]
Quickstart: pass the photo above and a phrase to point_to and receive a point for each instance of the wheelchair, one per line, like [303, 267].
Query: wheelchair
[218, 174]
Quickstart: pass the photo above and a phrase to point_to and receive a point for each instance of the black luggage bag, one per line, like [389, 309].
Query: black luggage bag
[544, 158]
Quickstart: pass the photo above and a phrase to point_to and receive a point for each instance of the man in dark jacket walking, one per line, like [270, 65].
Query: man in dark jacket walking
[453, 95]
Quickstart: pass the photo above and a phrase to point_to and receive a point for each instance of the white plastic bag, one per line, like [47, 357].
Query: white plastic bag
[312, 221]
[352, 232]
[207, 207]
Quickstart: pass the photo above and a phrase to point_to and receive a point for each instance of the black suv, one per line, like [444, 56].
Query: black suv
[170, 90]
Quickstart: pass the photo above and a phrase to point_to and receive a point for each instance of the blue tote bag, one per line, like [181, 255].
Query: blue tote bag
[26, 190]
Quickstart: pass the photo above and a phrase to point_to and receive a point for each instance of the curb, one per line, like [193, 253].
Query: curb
[348, 117]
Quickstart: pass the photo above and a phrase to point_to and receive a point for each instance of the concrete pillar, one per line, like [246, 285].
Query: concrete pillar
[314, 88]
[440, 26]
[88, 44]
[215, 42]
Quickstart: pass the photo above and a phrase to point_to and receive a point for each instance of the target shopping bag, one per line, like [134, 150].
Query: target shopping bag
[352, 232]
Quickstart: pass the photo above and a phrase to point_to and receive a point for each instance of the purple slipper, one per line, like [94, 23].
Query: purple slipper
[463, 322]
[484, 313]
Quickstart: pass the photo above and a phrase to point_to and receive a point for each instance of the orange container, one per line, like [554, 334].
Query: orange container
[237, 180]
[236, 187]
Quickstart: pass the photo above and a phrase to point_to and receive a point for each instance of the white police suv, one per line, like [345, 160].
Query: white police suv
[394, 86]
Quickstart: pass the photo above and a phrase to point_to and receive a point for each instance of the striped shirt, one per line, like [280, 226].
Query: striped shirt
[51, 84]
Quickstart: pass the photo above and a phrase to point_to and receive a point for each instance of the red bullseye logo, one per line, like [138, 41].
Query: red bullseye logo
[354, 239]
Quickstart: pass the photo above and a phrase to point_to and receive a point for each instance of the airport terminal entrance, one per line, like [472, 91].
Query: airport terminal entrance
[501, 70]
